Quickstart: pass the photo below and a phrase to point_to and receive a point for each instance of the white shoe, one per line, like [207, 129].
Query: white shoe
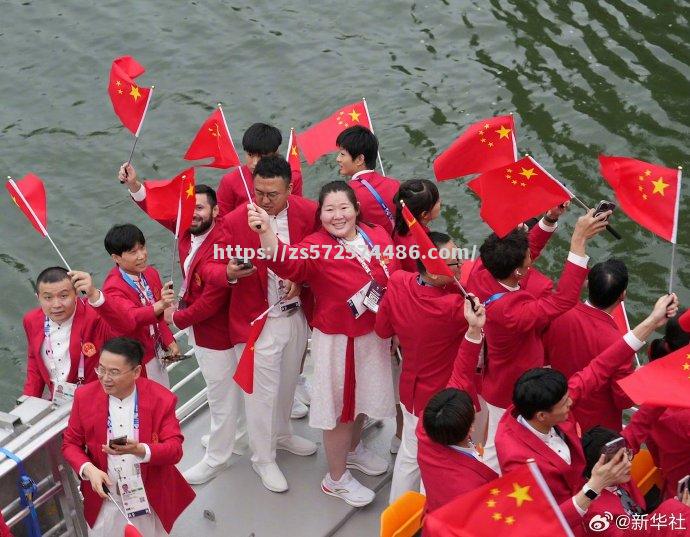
[239, 448]
[395, 445]
[349, 489]
[303, 390]
[299, 410]
[365, 460]
[297, 445]
[271, 476]
[202, 472]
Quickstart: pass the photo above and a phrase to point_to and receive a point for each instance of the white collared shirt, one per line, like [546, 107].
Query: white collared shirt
[60, 359]
[197, 241]
[279, 225]
[551, 439]
[587, 303]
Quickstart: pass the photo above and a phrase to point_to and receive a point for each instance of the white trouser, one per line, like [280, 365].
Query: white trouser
[406, 474]
[490, 457]
[224, 402]
[155, 370]
[111, 523]
[277, 358]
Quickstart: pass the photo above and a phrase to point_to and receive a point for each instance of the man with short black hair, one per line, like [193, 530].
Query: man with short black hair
[575, 338]
[357, 151]
[123, 435]
[64, 337]
[134, 299]
[259, 140]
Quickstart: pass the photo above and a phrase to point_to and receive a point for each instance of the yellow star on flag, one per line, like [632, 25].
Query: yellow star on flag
[214, 130]
[527, 173]
[648, 172]
[503, 132]
[491, 144]
[119, 92]
[17, 204]
[491, 503]
[659, 186]
[644, 196]
[520, 494]
[354, 115]
[510, 520]
[486, 125]
[294, 152]
[686, 367]
[190, 190]
[497, 516]
[135, 93]
[496, 492]
[118, 83]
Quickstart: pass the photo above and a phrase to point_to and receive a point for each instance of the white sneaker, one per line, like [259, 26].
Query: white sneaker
[303, 390]
[365, 460]
[297, 445]
[202, 472]
[395, 445]
[299, 410]
[349, 489]
[239, 448]
[271, 476]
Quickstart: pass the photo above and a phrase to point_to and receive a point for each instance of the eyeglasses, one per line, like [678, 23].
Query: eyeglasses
[112, 373]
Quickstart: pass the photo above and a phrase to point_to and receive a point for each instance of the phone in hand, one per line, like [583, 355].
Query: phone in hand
[683, 485]
[244, 264]
[611, 448]
[604, 206]
[119, 441]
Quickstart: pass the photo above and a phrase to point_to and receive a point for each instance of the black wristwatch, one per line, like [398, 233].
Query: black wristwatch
[590, 493]
[551, 221]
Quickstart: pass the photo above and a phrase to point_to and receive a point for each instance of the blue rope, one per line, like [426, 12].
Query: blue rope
[27, 490]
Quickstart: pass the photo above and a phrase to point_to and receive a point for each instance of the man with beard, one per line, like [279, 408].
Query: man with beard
[203, 309]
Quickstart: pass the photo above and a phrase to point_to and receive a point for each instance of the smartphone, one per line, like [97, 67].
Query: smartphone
[604, 206]
[244, 264]
[119, 441]
[683, 486]
[611, 448]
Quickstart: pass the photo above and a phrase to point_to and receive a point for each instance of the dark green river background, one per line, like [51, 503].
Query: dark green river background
[582, 78]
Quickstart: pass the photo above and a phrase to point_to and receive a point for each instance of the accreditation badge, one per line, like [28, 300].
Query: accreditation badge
[64, 392]
[134, 498]
[356, 301]
[373, 297]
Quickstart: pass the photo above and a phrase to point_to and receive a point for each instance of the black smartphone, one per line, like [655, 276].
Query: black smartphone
[611, 448]
[119, 441]
[244, 264]
[683, 486]
[604, 206]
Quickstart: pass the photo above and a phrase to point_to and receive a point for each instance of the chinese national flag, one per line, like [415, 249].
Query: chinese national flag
[129, 100]
[513, 505]
[319, 139]
[647, 193]
[517, 192]
[29, 195]
[293, 154]
[244, 374]
[432, 263]
[171, 201]
[213, 141]
[663, 382]
[485, 145]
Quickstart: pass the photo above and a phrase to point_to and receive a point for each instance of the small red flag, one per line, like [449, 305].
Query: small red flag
[293, 154]
[171, 201]
[432, 263]
[29, 194]
[647, 193]
[485, 145]
[518, 504]
[213, 141]
[244, 374]
[517, 192]
[319, 139]
[663, 382]
[130, 101]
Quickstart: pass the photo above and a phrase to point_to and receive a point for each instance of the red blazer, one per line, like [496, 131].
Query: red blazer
[515, 443]
[669, 508]
[87, 335]
[430, 324]
[123, 311]
[334, 280]
[231, 193]
[570, 343]
[206, 299]
[669, 445]
[250, 294]
[608, 502]
[407, 262]
[370, 210]
[167, 491]
[4, 529]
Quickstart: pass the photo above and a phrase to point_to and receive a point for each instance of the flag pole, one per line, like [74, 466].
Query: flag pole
[287, 154]
[371, 126]
[141, 123]
[38, 221]
[539, 478]
[675, 232]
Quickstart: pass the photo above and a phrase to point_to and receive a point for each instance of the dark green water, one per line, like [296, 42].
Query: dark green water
[581, 77]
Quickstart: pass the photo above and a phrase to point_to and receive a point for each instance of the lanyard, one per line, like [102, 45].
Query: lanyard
[361, 260]
[493, 298]
[145, 296]
[462, 452]
[51, 358]
[136, 418]
[378, 199]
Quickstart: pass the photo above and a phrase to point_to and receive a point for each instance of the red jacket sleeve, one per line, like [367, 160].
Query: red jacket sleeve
[383, 327]
[463, 369]
[34, 384]
[208, 304]
[226, 197]
[537, 238]
[287, 263]
[122, 315]
[74, 438]
[641, 426]
[571, 514]
[168, 449]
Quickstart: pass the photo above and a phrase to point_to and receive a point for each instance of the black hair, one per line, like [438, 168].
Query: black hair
[592, 443]
[448, 416]
[358, 140]
[538, 390]
[122, 238]
[261, 139]
[272, 166]
[438, 239]
[674, 338]
[337, 186]
[502, 256]
[210, 194]
[51, 275]
[419, 195]
[606, 282]
[130, 348]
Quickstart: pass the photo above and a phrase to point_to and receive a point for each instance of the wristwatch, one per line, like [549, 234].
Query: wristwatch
[551, 221]
[590, 493]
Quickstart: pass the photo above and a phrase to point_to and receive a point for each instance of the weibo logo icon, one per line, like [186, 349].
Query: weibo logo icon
[601, 523]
